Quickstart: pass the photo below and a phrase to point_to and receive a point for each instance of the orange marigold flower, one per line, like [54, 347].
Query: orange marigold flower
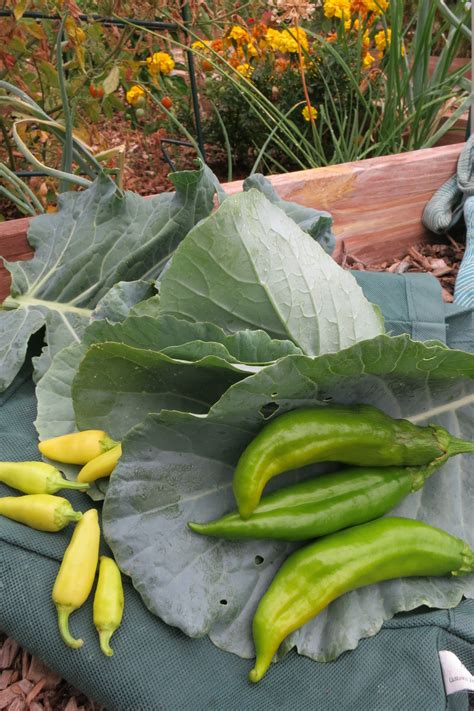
[217, 45]
[363, 7]
[281, 65]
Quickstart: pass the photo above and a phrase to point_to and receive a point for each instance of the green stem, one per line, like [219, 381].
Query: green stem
[8, 144]
[104, 639]
[459, 446]
[63, 622]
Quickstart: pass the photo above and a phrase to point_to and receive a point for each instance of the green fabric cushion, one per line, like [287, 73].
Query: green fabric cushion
[156, 667]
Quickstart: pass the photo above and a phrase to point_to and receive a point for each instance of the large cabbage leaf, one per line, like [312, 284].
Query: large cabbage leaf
[98, 237]
[249, 265]
[317, 223]
[178, 467]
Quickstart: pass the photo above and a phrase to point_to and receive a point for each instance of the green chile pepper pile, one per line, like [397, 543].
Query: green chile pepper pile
[391, 458]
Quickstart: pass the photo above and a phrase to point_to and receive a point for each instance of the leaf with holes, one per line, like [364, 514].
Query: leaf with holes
[178, 467]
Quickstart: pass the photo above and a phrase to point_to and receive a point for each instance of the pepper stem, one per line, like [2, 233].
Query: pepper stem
[73, 515]
[104, 639]
[61, 483]
[108, 443]
[421, 474]
[63, 622]
[459, 446]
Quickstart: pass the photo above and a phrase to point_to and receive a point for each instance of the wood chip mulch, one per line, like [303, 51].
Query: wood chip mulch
[26, 684]
[440, 260]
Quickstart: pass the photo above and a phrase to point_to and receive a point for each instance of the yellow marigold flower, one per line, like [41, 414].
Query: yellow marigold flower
[377, 6]
[245, 69]
[288, 40]
[368, 60]
[337, 8]
[203, 45]
[134, 95]
[251, 50]
[382, 39]
[273, 39]
[307, 115]
[239, 34]
[160, 62]
[355, 26]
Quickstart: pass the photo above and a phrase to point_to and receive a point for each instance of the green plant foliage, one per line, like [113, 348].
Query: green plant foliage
[177, 467]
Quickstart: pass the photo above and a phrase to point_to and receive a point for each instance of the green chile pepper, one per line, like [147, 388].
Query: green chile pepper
[322, 505]
[360, 435]
[36, 478]
[317, 574]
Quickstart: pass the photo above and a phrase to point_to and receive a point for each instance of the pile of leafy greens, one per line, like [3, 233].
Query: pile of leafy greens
[181, 330]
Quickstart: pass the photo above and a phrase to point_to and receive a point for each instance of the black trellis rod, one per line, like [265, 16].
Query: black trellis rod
[148, 24]
[193, 82]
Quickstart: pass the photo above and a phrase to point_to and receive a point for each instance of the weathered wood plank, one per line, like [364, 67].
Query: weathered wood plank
[376, 203]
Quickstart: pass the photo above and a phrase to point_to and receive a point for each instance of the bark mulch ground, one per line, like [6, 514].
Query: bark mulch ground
[442, 260]
[26, 684]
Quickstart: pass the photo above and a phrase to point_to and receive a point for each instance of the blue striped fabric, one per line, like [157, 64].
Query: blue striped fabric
[444, 210]
[464, 289]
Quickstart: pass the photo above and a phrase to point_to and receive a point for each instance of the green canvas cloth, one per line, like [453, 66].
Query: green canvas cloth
[156, 667]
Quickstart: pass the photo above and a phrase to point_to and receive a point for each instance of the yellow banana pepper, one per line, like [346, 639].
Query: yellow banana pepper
[108, 602]
[100, 466]
[35, 478]
[76, 574]
[77, 447]
[41, 511]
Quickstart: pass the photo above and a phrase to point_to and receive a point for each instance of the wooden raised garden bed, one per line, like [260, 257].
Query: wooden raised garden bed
[376, 204]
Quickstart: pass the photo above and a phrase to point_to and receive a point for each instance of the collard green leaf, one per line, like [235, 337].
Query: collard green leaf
[149, 307]
[248, 265]
[168, 331]
[97, 238]
[117, 385]
[121, 298]
[16, 327]
[317, 223]
[178, 467]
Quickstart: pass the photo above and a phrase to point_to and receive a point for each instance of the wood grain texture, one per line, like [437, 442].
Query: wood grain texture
[376, 203]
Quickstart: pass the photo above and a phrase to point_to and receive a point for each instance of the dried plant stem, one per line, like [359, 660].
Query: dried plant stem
[302, 73]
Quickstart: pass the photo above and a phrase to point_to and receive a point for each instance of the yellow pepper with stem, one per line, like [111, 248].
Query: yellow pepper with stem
[40, 511]
[36, 478]
[77, 447]
[108, 602]
[76, 574]
[100, 466]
